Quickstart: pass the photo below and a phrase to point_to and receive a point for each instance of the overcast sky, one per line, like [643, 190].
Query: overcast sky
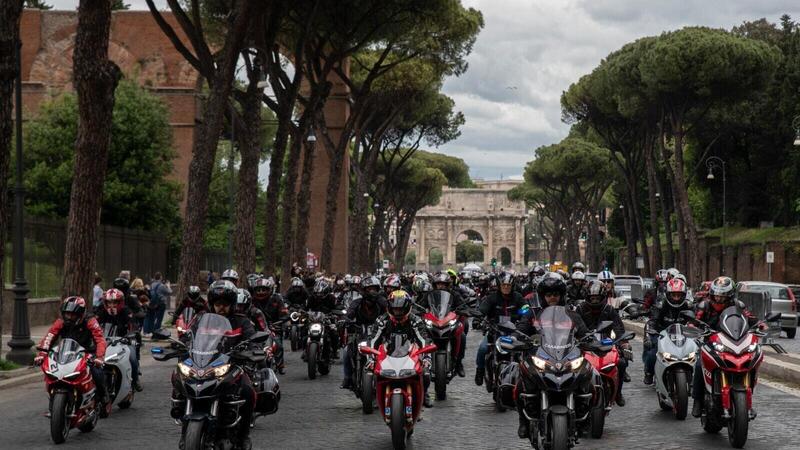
[531, 50]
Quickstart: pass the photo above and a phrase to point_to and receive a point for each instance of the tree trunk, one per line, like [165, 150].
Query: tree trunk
[693, 256]
[651, 191]
[636, 217]
[359, 223]
[403, 235]
[680, 262]
[667, 218]
[332, 206]
[244, 239]
[205, 147]
[10, 12]
[374, 238]
[630, 237]
[95, 78]
[271, 259]
[304, 199]
[289, 206]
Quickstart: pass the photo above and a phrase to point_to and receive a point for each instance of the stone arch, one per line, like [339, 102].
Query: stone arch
[470, 247]
[504, 256]
[435, 258]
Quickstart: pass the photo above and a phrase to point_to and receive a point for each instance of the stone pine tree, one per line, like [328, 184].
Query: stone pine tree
[95, 78]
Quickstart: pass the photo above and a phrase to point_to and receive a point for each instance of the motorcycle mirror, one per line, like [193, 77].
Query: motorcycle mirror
[367, 350]
[627, 336]
[427, 349]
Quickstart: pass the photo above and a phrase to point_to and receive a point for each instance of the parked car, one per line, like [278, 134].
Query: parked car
[625, 283]
[591, 276]
[783, 301]
[648, 283]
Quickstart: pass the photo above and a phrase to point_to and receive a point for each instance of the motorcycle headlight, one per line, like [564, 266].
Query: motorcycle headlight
[668, 356]
[690, 357]
[719, 347]
[113, 357]
[184, 369]
[453, 322]
[72, 375]
[180, 329]
[576, 363]
[316, 328]
[751, 348]
[428, 322]
[539, 363]
[220, 371]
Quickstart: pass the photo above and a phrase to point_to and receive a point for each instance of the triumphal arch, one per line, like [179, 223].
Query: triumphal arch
[484, 215]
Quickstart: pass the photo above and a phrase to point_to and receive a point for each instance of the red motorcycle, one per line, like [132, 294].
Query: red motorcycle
[399, 384]
[185, 320]
[604, 359]
[730, 359]
[446, 330]
[69, 384]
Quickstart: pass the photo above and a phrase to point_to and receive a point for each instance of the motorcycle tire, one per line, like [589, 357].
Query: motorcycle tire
[311, 355]
[559, 432]
[324, 368]
[440, 386]
[367, 392]
[59, 417]
[398, 422]
[738, 423]
[498, 403]
[680, 396]
[194, 436]
[295, 337]
[89, 425]
[125, 404]
[711, 421]
[598, 417]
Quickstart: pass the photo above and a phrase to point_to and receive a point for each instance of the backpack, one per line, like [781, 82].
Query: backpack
[155, 297]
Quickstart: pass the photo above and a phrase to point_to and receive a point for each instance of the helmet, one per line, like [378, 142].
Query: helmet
[661, 276]
[194, 293]
[223, 292]
[551, 284]
[297, 283]
[356, 280]
[399, 306]
[419, 285]
[263, 289]
[676, 286]
[605, 276]
[243, 301]
[371, 285]
[578, 276]
[578, 266]
[564, 275]
[538, 271]
[442, 278]
[392, 282]
[453, 274]
[722, 287]
[112, 299]
[681, 277]
[251, 279]
[73, 310]
[230, 275]
[672, 273]
[597, 295]
[505, 278]
[322, 287]
[121, 284]
[348, 280]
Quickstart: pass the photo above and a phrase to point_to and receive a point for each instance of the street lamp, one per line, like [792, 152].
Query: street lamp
[20, 342]
[312, 138]
[796, 127]
[715, 162]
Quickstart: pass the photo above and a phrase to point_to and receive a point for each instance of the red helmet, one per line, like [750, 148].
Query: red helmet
[676, 286]
[112, 301]
[73, 310]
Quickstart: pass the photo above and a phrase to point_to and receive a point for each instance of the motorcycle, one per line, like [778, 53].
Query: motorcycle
[498, 375]
[319, 348]
[604, 359]
[556, 381]
[730, 359]
[117, 368]
[298, 329]
[206, 373]
[399, 384]
[185, 320]
[677, 353]
[446, 330]
[72, 392]
[363, 379]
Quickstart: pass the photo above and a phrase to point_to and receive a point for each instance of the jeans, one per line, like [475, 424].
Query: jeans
[153, 319]
[649, 355]
[134, 365]
[483, 348]
[347, 364]
[99, 378]
[622, 366]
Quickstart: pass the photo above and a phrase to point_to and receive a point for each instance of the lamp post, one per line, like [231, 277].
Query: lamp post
[714, 162]
[20, 342]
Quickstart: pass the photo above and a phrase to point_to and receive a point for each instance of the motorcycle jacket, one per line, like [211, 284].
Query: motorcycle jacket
[273, 308]
[592, 318]
[296, 296]
[324, 304]
[575, 293]
[258, 319]
[366, 311]
[667, 315]
[88, 334]
[186, 303]
[414, 328]
[122, 321]
[706, 312]
[497, 305]
[653, 297]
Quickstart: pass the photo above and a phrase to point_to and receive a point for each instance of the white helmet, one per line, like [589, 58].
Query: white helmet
[230, 275]
[605, 275]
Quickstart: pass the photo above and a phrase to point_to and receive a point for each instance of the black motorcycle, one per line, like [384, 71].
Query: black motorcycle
[501, 364]
[298, 327]
[363, 380]
[319, 351]
[208, 372]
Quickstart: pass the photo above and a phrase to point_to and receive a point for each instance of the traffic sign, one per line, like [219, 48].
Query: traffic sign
[385, 263]
[770, 257]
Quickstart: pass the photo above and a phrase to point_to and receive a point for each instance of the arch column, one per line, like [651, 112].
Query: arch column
[517, 261]
[450, 253]
[422, 252]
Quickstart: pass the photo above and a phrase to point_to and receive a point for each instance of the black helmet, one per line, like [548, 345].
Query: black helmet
[243, 301]
[194, 293]
[222, 291]
[122, 284]
[537, 271]
[399, 306]
[322, 287]
[76, 308]
[442, 278]
[597, 295]
[371, 282]
[552, 284]
[297, 283]
[263, 289]
[578, 266]
[505, 278]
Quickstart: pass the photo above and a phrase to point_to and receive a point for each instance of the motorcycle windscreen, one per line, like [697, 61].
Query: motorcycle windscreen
[187, 315]
[208, 339]
[316, 316]
[733, 323]
[398, 346]
[68, 351]
[109, 330]
[555, 328]
[676, 334]
[440, 303]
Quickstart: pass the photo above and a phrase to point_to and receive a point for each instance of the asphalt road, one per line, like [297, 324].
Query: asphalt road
[317, 415]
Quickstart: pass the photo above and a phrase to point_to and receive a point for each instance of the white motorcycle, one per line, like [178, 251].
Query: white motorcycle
[677, 353]
[118, 369]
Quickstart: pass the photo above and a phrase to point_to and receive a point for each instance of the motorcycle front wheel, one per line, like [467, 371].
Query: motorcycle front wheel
[313, 350]
[398, 422]
[59, 417]
[366, 392]
[441, 375]
[680, 396]
[559, 432]
[194, 436]
[738, 423]
[294, 336]
[598, 418]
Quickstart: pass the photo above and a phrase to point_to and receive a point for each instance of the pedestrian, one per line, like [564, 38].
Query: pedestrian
[97, 291]
[160, 293]
[139, 299]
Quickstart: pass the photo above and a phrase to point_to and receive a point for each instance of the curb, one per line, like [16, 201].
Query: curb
[27, 375]
[770, 366]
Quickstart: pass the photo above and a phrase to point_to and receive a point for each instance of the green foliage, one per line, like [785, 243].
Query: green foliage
[137, 193]
[119, 5]
[37, 4]
[8, 365]
[454, 169]
[411, 258]
[435, 257]
[468, 251]
[740, 235]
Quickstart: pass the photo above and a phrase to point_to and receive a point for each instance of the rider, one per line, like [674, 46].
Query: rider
[86, 331]
[391, 284]
[721, 296]
[552, 291]
[595, 310]
[503, 305]
[399, 320]
[193, 299]
[297, 295]
[363, 311]
[112, 311]
[244, 306]
[232, 276]
[669, 313]
[442, 281]
[658, 292]
[272, 306]
[577, 266]
[576, 287]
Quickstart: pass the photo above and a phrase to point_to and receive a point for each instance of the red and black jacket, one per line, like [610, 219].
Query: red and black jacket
[88, 334]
